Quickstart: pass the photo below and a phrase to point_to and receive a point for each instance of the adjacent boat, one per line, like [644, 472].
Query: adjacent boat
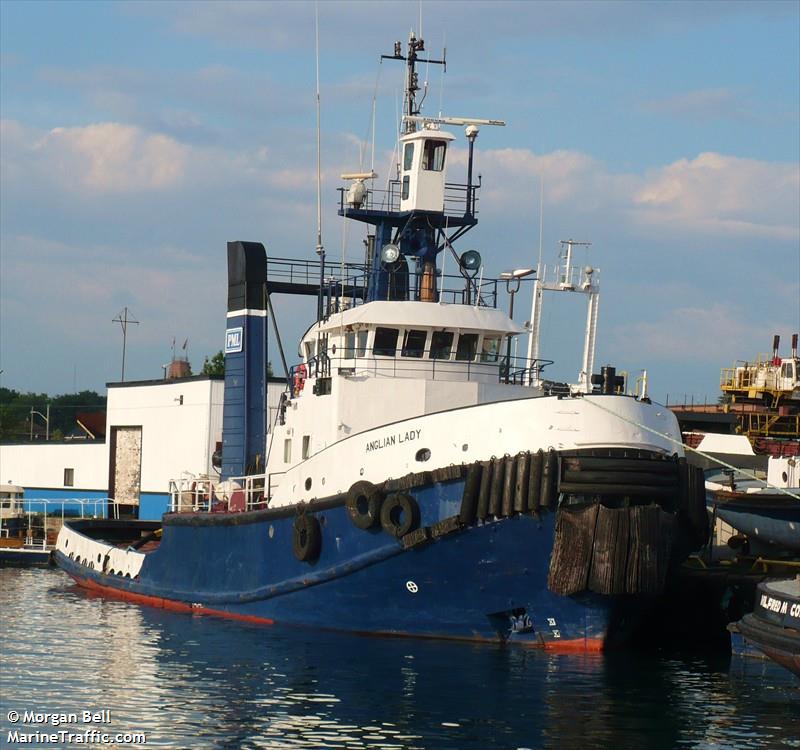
[774, 625]
[415, 478]
[768, 513]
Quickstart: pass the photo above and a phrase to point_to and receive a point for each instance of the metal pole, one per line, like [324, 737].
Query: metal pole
[47, 427]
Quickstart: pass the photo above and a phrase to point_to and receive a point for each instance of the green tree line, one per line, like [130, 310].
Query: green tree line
[15, 413]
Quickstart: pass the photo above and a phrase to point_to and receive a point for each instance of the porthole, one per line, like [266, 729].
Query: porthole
[465, 447]
[308, 483]
[66, 542]
[423, 454]
[271, 531]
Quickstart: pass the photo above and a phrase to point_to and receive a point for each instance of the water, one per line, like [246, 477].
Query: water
[200, 682]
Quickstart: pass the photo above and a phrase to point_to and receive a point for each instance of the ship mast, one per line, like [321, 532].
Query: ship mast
[412, 78]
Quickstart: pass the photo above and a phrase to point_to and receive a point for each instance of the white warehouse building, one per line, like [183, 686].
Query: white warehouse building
[156, 430]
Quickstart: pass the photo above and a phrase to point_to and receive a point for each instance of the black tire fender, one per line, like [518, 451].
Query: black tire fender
[306, 538]
[363, 505]
[399, 514]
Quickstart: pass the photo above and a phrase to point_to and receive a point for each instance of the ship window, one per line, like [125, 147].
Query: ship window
[385, 342]
[414, 343]
[406, 185]
[306, 447]
[350, 345]
[441, 344]
[408, 156]
[467, 346]
[310, 350]
[433, 155]
[490, 349]
[69, 477]
[287, 450]
[362, 343]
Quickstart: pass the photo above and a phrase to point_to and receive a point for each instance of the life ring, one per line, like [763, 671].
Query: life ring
[399, 514]
[364, 505]
[306, 538]
[299, 379]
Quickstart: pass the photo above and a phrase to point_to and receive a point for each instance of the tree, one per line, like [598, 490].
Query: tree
[216, 365]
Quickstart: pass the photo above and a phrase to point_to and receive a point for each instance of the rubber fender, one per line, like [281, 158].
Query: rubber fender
[496, 490]
[306, 538]
[469, 501]
[535, 481]
[549, 478]
[599, 463]
[521, 488]
[399, 514]
[509, 483]
[633, 478]
[363, 504]
[486, 484]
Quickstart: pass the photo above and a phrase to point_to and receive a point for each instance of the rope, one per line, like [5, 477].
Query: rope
[694, 450]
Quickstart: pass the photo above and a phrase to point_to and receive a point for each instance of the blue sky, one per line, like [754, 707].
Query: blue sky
[137, 138]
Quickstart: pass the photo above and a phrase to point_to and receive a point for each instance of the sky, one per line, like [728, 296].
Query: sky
[139, 137]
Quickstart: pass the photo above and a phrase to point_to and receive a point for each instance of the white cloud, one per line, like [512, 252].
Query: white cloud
[723, 195]
[112, 157]
[717, 335]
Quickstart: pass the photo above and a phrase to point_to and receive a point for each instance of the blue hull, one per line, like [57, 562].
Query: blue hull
[485, 582]
[579, 579]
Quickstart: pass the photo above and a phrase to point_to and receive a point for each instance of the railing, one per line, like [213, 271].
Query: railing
[202, 494]
[520, 370]
[456, 195]
[40, 518]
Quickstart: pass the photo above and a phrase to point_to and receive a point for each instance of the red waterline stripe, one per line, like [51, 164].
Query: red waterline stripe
[575, 645]
[170, 604]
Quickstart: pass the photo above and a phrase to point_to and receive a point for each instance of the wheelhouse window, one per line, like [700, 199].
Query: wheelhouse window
[385, 342]
[408, 156]
[490, 349]
[441, 344]
[406, 187]
[311, 348]
[361, 339]
[467, 347]
[69, 477]
[433, 155]
[350, 345]
[414, 343]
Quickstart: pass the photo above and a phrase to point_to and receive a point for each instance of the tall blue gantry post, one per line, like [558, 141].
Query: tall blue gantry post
[244, 410]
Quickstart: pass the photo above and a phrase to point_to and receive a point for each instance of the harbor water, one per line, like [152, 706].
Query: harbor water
[202, 682]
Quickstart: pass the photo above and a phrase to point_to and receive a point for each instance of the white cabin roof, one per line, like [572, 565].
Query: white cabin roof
[412, 314]
[427, 133]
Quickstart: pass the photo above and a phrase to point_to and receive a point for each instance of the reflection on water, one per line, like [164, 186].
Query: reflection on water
[207, 683]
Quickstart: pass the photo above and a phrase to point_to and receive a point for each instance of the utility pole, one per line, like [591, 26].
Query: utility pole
[123, 319]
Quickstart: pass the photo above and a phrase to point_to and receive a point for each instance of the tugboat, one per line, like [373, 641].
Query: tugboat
[774, 625]
[416, 479]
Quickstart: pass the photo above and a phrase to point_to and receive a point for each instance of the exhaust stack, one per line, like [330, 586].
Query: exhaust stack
[244, 410]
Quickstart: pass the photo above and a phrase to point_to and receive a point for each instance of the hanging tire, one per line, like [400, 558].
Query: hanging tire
[399, 514]
[364, 505]
[307, 538]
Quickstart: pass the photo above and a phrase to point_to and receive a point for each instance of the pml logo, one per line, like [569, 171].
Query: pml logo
[234, 340]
